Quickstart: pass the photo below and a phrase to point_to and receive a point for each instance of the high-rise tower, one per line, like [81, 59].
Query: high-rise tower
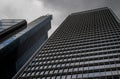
[85, 46]
[18, 42]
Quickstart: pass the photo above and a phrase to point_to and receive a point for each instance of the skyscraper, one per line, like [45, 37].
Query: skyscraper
[19, 41]
[85, 46]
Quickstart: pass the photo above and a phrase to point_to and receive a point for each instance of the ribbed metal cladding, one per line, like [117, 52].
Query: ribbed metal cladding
[85, 46]
[9, 27]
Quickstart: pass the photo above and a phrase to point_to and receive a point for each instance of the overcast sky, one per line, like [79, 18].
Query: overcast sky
[60, 9]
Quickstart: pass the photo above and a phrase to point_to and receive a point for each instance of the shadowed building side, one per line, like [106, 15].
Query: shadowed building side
[33, 39]
[18, 47]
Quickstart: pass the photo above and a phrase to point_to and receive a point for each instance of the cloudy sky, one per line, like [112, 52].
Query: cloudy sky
[60, 9]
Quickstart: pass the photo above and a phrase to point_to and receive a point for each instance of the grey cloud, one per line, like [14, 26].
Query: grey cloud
[26, 9]
[73, 5]
[60, 9]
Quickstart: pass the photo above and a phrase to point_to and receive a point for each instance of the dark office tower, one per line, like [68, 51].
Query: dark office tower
[85, 46]
[17, 45]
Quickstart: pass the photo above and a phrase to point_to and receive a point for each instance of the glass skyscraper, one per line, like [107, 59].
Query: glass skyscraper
[85, 46]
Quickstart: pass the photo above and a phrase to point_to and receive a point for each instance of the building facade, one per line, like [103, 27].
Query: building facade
[85, 46]
[19, 41]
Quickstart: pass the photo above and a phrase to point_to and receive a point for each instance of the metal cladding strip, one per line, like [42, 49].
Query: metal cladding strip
[10, 27]
[85, 46]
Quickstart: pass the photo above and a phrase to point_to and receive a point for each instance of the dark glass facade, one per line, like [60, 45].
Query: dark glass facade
[18, 43]
[85, 46]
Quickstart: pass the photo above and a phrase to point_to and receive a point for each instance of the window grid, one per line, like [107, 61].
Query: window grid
[87, 46]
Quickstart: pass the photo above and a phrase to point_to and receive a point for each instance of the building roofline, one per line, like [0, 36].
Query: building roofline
[114, 15]
[92, 10]
[98, 9]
